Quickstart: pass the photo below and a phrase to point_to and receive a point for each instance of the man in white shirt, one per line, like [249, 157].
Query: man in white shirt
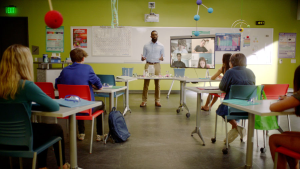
[153, 53]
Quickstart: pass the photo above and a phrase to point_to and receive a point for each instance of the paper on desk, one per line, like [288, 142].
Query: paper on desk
[240, 102]
[209, 88]
[71, 104]
[112, 87]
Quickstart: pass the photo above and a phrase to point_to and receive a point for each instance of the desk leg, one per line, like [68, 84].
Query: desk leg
[73, 142]
[182, 99]
[111, 101]
[249, 155]
[197, 129]
[126, 99]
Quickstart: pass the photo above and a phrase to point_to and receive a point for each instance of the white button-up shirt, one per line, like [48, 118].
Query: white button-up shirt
[153, 51]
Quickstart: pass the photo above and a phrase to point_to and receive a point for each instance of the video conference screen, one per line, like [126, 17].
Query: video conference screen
[192, 51]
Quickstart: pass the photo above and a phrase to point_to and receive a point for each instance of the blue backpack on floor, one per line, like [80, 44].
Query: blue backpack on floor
[117, 126]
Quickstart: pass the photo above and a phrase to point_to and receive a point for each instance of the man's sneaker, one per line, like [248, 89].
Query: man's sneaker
[242, 131]
[232, 135]
[81, 137]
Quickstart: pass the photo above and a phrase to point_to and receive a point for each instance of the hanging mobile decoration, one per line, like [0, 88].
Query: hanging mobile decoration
[53, 18]
[197, 17]
[114, 14]
[240, 22]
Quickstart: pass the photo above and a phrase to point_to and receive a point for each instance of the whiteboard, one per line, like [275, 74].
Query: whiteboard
[258, 52]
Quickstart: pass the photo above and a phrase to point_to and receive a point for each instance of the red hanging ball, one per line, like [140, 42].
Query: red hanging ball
[53, 19]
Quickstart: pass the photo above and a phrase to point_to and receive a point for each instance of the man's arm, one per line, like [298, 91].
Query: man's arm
[162, 54]
[144, 53]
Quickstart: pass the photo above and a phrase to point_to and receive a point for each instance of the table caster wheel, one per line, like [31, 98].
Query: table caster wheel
[241, 140]
[188, 115]
[167, 97]
[225, 151]
[263, 150]
[213, 140]
[178, 110]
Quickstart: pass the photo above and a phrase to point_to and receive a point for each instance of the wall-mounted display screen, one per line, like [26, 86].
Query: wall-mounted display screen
[192, 51]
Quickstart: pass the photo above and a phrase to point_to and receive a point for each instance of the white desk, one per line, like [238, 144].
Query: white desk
[64, 112]
[183, 81]
[111, 92]
[261, 110]
[198, 111]
[126, 80]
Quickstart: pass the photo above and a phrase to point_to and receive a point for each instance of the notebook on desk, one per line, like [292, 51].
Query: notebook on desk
[209, 88]
[71, 104]
[112, 87]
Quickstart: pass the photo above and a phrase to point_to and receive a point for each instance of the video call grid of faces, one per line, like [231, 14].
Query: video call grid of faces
[192, 53]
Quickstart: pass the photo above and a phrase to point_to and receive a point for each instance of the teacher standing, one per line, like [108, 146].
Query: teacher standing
[153, 53]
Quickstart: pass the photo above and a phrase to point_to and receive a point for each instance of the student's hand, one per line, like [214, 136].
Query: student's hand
[282, 97]
[220, 77]
[94, 87]
[161, 58]
[143, 58]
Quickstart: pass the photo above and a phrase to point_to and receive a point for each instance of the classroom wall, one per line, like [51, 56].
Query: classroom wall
[277, 14]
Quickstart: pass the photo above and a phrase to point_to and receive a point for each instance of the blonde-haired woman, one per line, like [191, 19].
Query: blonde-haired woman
[16, 86]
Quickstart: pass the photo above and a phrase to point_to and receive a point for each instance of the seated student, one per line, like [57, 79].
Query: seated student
[178, 63]
[202, 63]
[16, 86]
[237, 75]
[288, 139]
[223, 69]
[81, 74]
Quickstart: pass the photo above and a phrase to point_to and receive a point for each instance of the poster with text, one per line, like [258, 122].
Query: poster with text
[287, 45]
[55, 39]
[79, 38]
[228, 42]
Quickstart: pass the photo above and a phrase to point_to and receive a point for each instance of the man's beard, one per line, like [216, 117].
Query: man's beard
[154, 40]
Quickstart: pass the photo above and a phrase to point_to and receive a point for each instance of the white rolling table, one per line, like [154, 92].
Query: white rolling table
[198, 111]
[64, 112]
[262, 109]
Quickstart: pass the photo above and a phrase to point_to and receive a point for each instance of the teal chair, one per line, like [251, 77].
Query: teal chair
[16, 132]
[109, 79]
[242, 92]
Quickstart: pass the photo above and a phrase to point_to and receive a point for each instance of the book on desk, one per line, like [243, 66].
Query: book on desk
[209, 88]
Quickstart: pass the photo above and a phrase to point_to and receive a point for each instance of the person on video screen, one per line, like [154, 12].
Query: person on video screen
[201, 47]
[202, 63]
[181, 46]
[178, 63]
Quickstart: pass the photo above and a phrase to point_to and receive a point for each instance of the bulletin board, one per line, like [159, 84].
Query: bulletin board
[256, 44]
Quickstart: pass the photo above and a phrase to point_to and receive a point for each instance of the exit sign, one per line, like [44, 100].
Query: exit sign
[260, 22]
[10, 9]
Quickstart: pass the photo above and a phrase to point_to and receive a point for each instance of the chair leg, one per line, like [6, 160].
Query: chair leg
[275, 160]
[116, 102]
[257, 137]
[289, 123]
[215, 137]
[124, 101]
[55, 120]
[226, 132]
[34, 160]
[10, 162]
[60, 155]
[92, 133]
[265, 140]
[40, 119]
[21, 163]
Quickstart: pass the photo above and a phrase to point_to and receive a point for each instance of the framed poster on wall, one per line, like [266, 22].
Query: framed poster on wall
[55, 39]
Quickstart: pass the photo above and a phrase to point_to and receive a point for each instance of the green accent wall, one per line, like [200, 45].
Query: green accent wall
[277, 14]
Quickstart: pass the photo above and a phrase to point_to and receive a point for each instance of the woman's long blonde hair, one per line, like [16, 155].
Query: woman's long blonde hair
[16, 64]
